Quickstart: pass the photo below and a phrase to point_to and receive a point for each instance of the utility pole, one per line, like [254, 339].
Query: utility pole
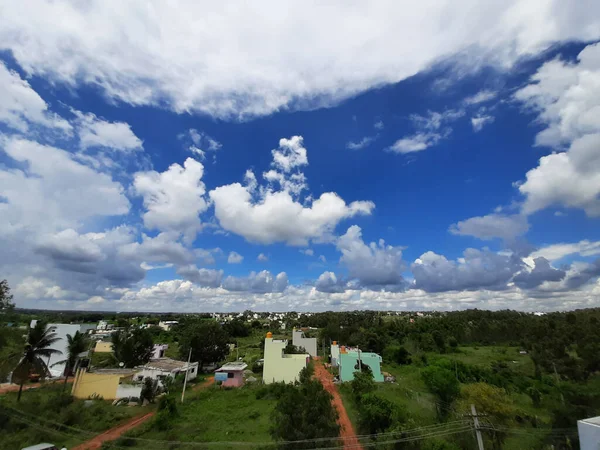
[477, 429]
[359, 361]
[187, 369]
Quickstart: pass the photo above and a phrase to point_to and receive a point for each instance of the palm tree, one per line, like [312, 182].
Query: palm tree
[35, 354]
[77, 344]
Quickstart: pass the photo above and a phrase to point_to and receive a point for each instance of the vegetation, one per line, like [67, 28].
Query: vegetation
[5, 297]
[76, 345]
[132, 347]
[207, 340]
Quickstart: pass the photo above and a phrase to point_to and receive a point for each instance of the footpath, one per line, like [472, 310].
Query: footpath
[346, 429]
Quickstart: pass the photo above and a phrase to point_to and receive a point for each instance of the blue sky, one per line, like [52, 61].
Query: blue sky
[443, 167]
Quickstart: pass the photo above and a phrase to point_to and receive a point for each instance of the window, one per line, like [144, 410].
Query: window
[193, 371]
[229, 374]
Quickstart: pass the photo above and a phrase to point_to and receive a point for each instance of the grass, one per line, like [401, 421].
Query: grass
[485, 356]
[216, 415]
[41, 412]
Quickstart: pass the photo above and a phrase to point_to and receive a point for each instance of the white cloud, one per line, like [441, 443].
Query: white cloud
[95, 132]
[481, 97]
[163, 248]
[567, 99]
[202, 57]
[478, 122]
[234, 258]
[308, 252]
[379, 125]
[328, 282]
[374, 266]
[265, 215]
[199, 143]
[204, 277]
[261, 282]
[21, 105]
[492, 226]
[174, 199]
[262, 258]
[431, 129]
[322, 258]
[364, 142]
[555, 252]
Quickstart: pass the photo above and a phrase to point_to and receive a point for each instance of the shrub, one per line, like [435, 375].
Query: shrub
[376, 414]
[362, 384]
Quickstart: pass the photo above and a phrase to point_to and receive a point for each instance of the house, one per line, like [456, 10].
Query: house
[349, 363]
[158, 351]
[279, 366]
[335, 353]
[161, 368]
[56, 362]
[166, 325]
[300, 341]
[110, 384]
[103, 347]
[589, 433]
[231, 374]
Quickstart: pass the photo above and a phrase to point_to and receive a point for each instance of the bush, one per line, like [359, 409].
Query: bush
[149, 390]
[362, 384]
[397, 355]
[376, 414]
[257, 367]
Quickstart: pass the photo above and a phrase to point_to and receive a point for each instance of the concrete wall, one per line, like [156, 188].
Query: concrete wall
[88, 384]
[157, 374]
[589, 434]
[279, 367]
[349, 361]
[236, 381]
[61, 331]
[335, 355]
[128, 390]
[309, 344]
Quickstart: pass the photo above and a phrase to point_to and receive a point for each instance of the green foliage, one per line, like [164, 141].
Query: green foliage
[443, 384]
[362, 384]
[438, 444]
[150, 390]
[397, 354]
[5, 297]
[439, 340]
[237, 328]
[453, 343]
[306, 374]
[76, 344]
[132, 348]
[376, 414]
[304, 412]
[207, 339]
[291, 349]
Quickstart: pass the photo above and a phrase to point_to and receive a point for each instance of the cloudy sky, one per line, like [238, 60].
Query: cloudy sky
[297, 156]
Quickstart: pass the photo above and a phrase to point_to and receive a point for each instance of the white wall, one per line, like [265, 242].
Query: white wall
[589, 434]
[278, 367]
[128, 390]
[61, 332]
[309, 344]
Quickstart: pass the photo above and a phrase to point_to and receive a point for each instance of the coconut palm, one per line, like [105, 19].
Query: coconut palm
[35, 354]
[76, 344]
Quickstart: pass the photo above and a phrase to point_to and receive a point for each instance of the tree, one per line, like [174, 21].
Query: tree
[443, 383]
[208, 341]
[5, 296]
[132, 348]
[76, 344]
[362, 384]
[440, 343]
[35, 354]
[452, 342]
[304, 412]
[149, 390]
[376, 414]
[398, 355]
[237, 328]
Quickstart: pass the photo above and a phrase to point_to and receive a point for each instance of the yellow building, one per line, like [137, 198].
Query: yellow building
[110, 384]
[103, 347]
[279, 366]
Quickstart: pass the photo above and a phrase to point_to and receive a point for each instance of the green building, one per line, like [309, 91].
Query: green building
[348, 364]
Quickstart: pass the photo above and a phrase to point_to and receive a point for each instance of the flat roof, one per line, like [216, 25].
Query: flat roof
[167, 364]
[232, 367]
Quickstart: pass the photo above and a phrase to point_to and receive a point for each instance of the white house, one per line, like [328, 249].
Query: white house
[308, 344]
[158, 351]
[279, 366]
[589, 433]
[159, 369]
[166, 325]
[61, 330]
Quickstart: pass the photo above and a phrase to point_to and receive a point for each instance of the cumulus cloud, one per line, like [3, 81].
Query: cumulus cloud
[558, 251]
[262, 257]
[431, 129]
[203, 277]
[234, 258]
[174, 199]
[20, 105]
[567, 98]
[506, 227]
[477, 269]
[328, 282]
[374, 266]
[479, 121]
[267, 215]
[541, 272]
[95, 132]
[261, 282]
[163, 248]
[209, 50]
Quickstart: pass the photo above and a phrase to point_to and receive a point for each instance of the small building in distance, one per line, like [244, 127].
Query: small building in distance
[349, 363]
[159, 369]
[589, 433]
[167, 325]
[110, 384]
[308, 344]
[103, 347]
[231, 374]
[279, 366]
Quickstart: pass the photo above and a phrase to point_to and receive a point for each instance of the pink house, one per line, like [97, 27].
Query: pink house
[231, 374]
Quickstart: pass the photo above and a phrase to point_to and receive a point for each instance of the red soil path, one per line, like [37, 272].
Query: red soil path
[116, 432]
[346, 429]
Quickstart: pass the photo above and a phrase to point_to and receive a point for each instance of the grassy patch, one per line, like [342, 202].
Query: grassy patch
[486, 356]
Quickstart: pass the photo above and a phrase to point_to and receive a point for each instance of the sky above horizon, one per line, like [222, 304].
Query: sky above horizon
[286, 156]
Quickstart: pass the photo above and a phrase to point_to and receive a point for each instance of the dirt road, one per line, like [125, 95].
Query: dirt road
[116, 432]
[346, 429]
[7, 387]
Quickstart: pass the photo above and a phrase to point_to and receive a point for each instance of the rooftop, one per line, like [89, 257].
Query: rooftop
[166, 364]
[592, 420]
[233, 367]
